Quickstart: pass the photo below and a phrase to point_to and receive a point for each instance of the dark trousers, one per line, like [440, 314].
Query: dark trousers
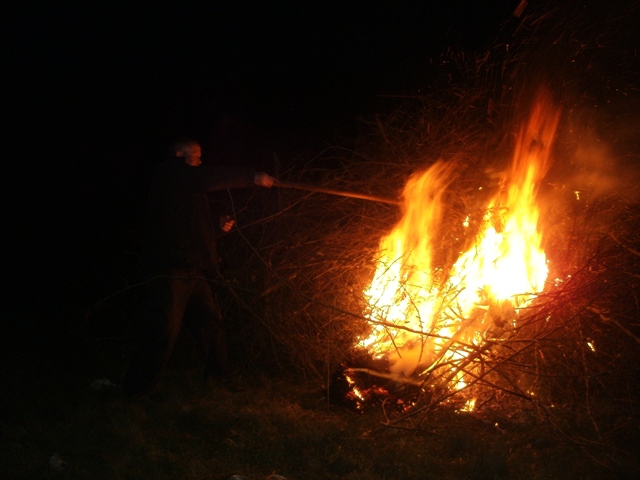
[180, 297]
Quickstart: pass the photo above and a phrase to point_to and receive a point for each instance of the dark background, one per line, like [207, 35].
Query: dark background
[94, 91]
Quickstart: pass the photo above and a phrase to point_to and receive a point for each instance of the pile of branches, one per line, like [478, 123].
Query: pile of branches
[301, 260]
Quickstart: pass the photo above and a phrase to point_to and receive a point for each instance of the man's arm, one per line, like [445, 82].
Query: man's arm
[210, 178]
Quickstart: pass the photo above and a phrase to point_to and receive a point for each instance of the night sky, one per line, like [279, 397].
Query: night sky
[96, 90]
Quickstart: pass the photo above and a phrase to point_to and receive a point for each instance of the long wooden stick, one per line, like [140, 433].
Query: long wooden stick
[342, 193]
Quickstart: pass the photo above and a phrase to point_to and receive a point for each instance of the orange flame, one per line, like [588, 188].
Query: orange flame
[422, 322]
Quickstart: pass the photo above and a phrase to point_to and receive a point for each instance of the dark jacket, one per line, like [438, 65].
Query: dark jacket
[180, 229]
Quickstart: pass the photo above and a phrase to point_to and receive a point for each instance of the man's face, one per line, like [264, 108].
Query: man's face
[192, 155]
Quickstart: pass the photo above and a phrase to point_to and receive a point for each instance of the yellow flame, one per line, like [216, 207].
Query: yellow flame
[354, 388]
[469, 406]
[423, 321]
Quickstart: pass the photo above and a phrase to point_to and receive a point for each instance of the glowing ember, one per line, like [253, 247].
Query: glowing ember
[424, 322]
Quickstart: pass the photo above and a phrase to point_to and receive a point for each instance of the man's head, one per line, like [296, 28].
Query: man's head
[187, 149]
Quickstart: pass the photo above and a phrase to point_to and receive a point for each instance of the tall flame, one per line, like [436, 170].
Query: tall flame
[422, 322]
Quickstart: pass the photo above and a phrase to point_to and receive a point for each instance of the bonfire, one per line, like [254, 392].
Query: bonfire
[506, 279]
[437, 324]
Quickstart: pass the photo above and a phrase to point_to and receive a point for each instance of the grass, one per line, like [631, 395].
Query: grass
[56, 425]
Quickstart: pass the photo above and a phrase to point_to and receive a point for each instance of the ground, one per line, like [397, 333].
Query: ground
[65, 416]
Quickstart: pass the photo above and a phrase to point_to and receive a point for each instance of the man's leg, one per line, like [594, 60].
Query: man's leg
[166, 303]
[205, 322]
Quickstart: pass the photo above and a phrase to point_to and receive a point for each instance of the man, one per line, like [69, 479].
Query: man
[180, 251]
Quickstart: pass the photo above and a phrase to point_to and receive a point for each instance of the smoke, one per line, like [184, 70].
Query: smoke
[598, 156]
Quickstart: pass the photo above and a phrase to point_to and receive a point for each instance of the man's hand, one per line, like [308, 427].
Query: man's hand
[226, 223]
[263, 180]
